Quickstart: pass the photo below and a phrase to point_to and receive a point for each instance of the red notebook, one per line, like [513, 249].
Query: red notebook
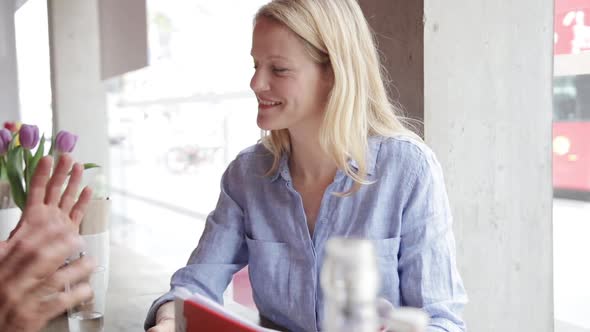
[196, 313]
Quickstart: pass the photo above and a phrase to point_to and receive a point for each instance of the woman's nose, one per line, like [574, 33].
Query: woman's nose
[259, 83]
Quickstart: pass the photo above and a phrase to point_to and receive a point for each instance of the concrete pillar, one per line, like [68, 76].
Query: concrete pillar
[79, 95]
[487, 111]
[398, 28]
[9, 100]
[123, 36]
[486, 69]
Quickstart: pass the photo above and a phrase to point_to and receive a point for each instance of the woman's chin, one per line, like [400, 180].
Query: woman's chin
[265, 123]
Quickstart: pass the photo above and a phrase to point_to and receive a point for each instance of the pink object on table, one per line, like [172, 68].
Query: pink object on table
[243, 289]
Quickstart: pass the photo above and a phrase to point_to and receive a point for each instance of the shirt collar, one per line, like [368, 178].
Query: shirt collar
[282, 170]
[373, 152]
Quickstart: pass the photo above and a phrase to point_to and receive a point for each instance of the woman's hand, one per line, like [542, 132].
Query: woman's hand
[164, 318]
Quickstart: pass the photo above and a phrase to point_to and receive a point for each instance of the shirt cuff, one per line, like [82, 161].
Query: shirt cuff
[150, 320]
[440, 325]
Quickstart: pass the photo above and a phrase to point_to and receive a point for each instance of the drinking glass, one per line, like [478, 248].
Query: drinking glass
[89, 316]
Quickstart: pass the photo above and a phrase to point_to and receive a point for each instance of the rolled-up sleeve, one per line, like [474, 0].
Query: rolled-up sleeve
[221, 252]
[429, 278]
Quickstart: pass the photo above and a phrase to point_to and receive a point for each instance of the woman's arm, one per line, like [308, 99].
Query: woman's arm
[221, 251]
[428, 272]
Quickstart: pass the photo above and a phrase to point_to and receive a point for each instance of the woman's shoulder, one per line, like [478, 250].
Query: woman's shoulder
[255, 159]
[407, 150]
[254, 153]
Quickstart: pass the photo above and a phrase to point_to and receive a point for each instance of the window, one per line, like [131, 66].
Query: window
[571, 98]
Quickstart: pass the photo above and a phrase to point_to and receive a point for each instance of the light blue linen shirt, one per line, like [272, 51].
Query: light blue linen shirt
[260, 221]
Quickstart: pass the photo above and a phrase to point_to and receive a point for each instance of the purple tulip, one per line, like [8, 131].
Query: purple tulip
[29, 136]
[5, 138]
[65, 141]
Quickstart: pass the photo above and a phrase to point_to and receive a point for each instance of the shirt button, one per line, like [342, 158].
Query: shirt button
[323, 220]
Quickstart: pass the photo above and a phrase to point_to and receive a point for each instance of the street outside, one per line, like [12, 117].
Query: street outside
[571, 264]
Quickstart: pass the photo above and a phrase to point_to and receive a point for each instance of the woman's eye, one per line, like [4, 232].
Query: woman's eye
[279, 70]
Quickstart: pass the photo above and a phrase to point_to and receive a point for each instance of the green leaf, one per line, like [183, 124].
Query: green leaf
[15, 176]
[38, 155]
[33, 161]
[29, 169]
[51, 147]
[12, 144]
[90, 165]
[3, 175]
[87, 166]
[40, 150]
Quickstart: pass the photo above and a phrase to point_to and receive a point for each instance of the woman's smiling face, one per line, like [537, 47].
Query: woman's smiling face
[292, 89]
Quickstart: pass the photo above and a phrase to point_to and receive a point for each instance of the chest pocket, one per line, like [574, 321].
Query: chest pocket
[386, 251]
[269, 268]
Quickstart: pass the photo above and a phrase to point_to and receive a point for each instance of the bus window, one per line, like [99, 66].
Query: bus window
[582, 84]
[571, 98]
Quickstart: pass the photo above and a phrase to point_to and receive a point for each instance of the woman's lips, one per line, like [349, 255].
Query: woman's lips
[268, 104]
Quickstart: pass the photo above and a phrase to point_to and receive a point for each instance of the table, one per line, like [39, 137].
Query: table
[134, 283]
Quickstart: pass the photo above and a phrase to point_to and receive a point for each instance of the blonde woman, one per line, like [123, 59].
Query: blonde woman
[337, 161]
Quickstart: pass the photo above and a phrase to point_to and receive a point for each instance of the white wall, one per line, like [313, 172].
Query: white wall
[91, 40]
[9, 103]
[487, 74]
[79, 96]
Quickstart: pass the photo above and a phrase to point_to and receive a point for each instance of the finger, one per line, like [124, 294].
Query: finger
[20, 315]
[3, 249]
[15, 230]
[22, 246]
[71, 274]
[60, 302]
[161, 328]
[32, 259]
[41, 255]
[39, 180]
[165, 325]
[69, 196]
[57, 180]
[22, 229]
[79, 209]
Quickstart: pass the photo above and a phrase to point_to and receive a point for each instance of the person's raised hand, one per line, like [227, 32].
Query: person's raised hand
[31, 282]
[45, 201]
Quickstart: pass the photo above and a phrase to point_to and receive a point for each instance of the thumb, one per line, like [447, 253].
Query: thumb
[164, 325]
[15, 230]
[3, 249]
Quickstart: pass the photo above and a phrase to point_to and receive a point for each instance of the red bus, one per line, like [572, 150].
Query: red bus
[571, 98]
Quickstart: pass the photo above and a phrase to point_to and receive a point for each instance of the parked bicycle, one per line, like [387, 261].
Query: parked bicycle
[181, 159]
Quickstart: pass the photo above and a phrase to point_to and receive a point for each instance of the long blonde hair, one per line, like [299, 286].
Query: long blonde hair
[335, 32]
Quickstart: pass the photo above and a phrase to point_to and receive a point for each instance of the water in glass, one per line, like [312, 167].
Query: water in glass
[86, 322]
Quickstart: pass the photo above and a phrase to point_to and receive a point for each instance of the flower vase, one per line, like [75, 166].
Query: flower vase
[8, 220]
[94, 230]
